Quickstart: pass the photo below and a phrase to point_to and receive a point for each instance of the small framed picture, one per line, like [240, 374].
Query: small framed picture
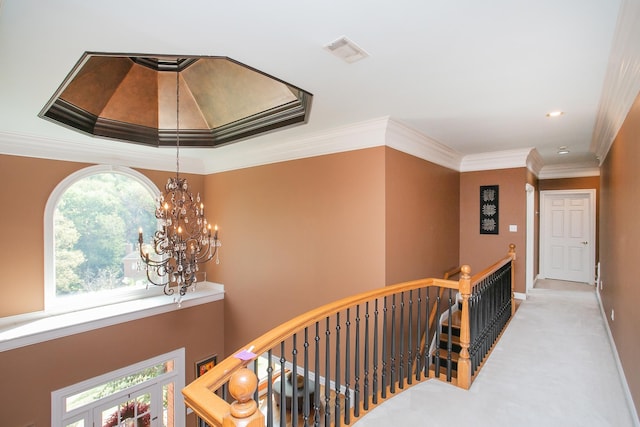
[201, 368]
[205, 365]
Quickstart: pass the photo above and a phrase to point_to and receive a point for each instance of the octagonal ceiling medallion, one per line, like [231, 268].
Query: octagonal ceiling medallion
[133, 98]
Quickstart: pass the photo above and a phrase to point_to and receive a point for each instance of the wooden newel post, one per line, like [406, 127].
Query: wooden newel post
[464, 361]
[244, 411]
[512, 254]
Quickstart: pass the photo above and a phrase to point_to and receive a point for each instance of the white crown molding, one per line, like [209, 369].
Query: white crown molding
[372, 133]
[570, 170]
[506, 159]
[98, 151]
[535, 162]
[357, 136]
[407, 140]
[622, 81]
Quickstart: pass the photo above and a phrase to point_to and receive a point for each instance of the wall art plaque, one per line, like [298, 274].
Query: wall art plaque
[489, 209]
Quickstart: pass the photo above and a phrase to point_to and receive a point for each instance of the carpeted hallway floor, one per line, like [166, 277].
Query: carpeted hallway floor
[553, 367]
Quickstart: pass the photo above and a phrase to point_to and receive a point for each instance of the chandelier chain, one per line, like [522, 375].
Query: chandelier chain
[177, 124]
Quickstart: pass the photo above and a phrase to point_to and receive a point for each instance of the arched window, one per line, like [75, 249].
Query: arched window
[91, 234]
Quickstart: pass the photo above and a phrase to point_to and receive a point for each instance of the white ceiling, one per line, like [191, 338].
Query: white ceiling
[475, 76]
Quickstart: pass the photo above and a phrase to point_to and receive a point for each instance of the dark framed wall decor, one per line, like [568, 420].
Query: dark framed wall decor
[489, 209]
[201, 368]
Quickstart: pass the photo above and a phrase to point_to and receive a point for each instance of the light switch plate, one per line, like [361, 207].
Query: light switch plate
[513, 228]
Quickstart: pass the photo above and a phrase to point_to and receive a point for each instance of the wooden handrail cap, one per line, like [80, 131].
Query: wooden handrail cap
[243, 384]
[466, 269]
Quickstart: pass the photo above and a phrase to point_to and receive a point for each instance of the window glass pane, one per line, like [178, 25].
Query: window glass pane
[263, 365]
[79, 423]
[96, 224]
[134, 413]
[111, 387]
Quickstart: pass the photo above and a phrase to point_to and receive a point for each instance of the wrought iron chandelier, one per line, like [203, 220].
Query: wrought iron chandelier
[185, 238]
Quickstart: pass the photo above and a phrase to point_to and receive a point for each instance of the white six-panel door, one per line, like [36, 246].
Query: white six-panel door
[567, 235]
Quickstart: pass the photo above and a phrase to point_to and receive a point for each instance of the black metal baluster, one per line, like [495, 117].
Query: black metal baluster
[306, 404]
[426, 357]
[356, 374]
[365, 400]
[383, 391]
[419, 335]
[269, 396]
[410, 338]
[294, 381]
[392, 358]
[282, 391]
[316, 383]
[449, 338]
[376, 342]
[256, 395]
[327, 371]
[337, 374]
[401, 345]
[437, 333]
[347, 366]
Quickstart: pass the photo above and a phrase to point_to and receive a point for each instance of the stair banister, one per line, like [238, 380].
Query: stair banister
[201, 395]
[464, 362]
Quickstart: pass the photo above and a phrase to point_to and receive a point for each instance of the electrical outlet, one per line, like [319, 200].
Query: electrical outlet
[612, 315]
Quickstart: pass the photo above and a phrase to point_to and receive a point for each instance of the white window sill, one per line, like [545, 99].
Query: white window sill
[22, 330]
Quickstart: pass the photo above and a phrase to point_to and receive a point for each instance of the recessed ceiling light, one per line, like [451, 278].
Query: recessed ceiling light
[563, 150]
[555, 113]
[346, 50]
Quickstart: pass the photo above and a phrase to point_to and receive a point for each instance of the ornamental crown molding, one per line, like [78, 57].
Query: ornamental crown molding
[622, 81]
[98, 152]
[506, 159]
[407, 140]
[372, 133]
[535, 162]
[572, 170]
[366, 134]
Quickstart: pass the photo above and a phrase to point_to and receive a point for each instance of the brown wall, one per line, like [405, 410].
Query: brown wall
[619, 237]
[422, 218]
[482, 250]
[296, 235]
[300, 234]
[28, 375]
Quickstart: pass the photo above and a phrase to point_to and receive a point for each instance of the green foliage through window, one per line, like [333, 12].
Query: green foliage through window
[96, 225]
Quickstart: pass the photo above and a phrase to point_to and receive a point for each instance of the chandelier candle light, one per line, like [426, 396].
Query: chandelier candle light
[184, 239]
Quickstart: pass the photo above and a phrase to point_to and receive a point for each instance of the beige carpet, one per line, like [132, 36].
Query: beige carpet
[553, 367]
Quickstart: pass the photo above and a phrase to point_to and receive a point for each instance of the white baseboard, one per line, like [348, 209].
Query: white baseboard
[623, 378]
[520, 295]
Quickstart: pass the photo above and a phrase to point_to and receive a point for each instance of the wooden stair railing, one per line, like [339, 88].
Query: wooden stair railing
[486, 323]
[344, 358]
[424, 342]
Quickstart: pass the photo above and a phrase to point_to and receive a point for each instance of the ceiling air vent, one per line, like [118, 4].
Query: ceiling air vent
[346, 50]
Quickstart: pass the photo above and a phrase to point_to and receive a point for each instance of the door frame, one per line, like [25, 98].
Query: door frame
[529, 278]
[544, 197]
